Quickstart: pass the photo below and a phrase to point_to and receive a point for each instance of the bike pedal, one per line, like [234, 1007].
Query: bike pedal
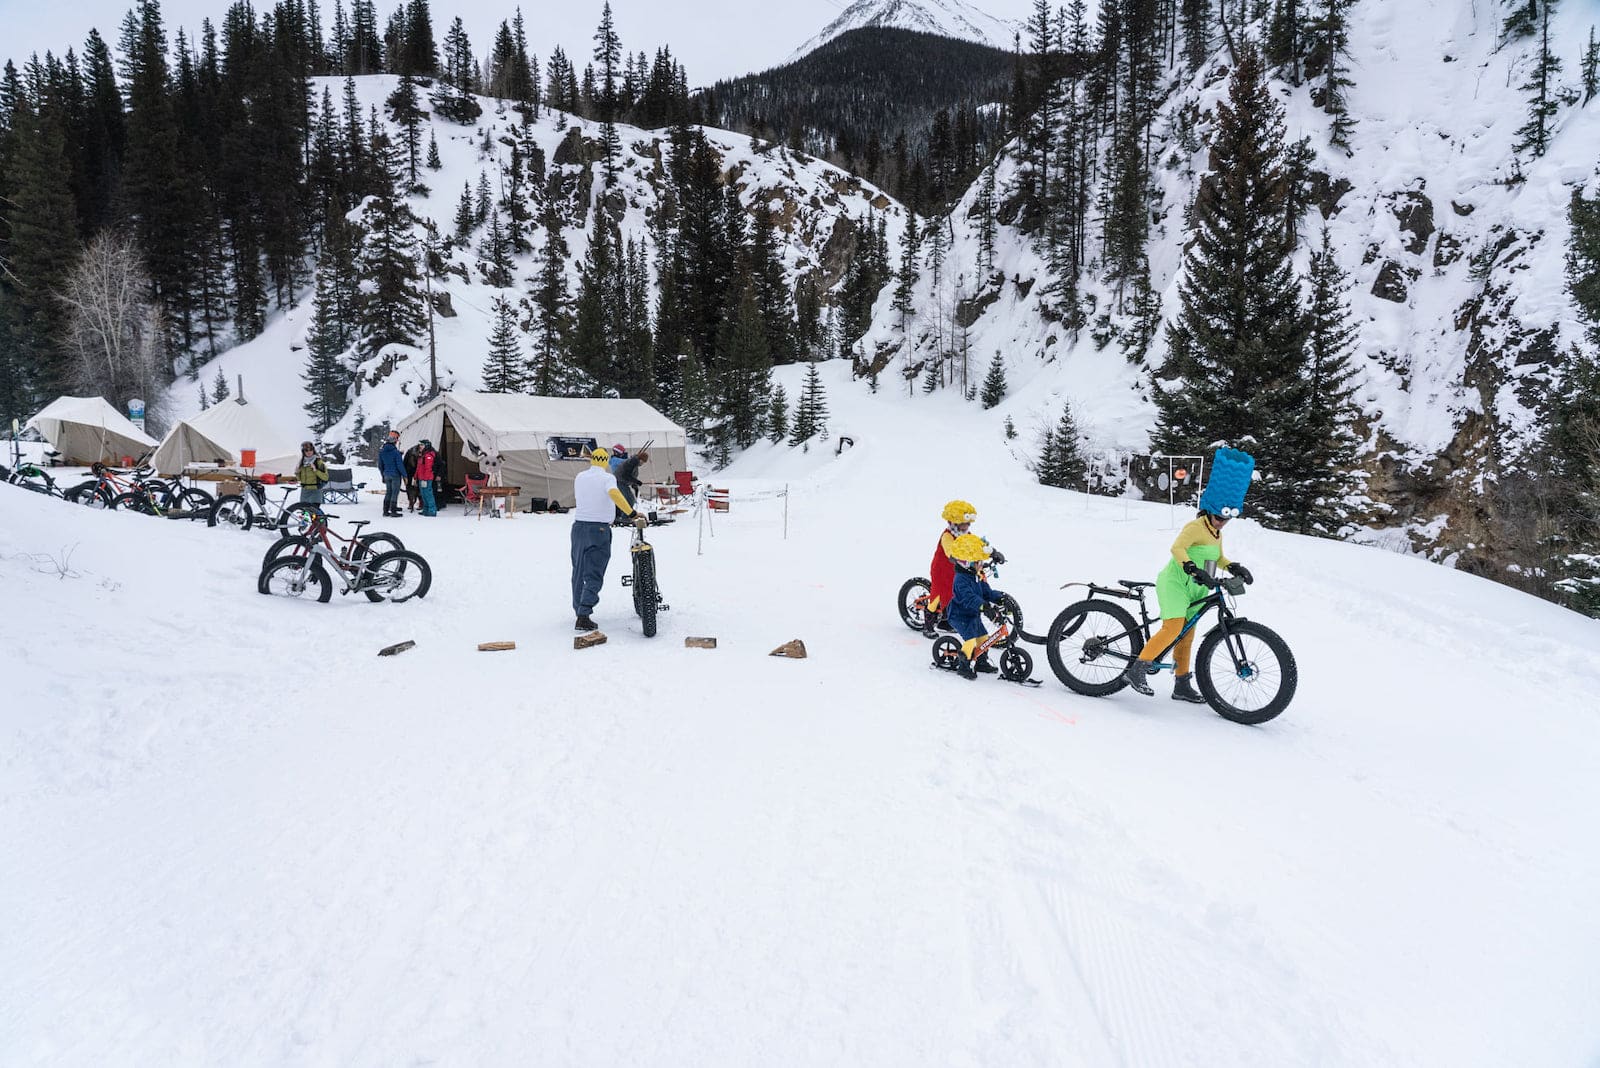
[627, 580]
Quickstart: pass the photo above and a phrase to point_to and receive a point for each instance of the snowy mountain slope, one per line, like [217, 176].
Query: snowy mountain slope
[1454, 357]
[947, 18]
[813, 204]
[234, 835]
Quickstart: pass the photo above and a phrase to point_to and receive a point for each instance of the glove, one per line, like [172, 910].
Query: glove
[997, 556]
[991, 612]
[1192, 569]
[1242, 572]
[641, 520]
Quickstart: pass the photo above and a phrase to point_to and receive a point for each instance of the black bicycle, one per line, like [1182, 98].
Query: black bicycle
[1245, 670]
[646, 593]
[251, 510]
[30, 476]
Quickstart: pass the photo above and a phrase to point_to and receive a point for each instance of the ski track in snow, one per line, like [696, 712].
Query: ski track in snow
[234, 835]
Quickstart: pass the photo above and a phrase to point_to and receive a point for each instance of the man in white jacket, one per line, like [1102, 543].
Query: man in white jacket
[598, 499]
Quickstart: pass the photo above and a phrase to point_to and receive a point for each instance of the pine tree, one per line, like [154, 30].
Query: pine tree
[1571, 439]
[986, 224]
[219, 387]
[405, 110]
[1590, 67]
[1322, 490]
[931, 377]
[1061, 463]
[778, 415]
[742, 373]
[608, 53]
[811, 416]
[205, 401]
[494, 253]
[1237, 347]
[503, 371]
[1534, 135]
[326, 377]
[1011, 429]
[1196, 19]
[389, 307]
[550, 303]
[906, 280]
[434, 163]
[994, 383]
[466, 214]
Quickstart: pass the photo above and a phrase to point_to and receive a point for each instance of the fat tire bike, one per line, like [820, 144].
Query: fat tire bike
[30, 476]
[1246, 672]
[251, 510]
[394, 576]
[355, 547]
[646, 592]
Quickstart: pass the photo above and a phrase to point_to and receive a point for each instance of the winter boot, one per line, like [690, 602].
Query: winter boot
[1138, 676]
[1183, 690]
[929, 618]
[585, 623]
[964, 667]
[983, 667]
[944, 622]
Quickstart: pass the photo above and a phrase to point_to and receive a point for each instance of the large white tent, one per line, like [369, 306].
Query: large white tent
[544, 441]
[86, 429]
[219, 433]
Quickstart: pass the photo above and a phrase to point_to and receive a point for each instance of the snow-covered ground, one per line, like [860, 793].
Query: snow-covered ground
[234, 835]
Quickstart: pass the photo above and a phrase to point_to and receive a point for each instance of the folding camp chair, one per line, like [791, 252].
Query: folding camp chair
[469, 492]
[685, 482]
[339, 489]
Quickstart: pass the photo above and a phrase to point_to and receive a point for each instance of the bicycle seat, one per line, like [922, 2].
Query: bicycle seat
[1129, 584]
[359, 523]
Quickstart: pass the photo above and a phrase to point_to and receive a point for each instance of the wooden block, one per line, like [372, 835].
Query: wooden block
[794, 650]
[398, 647]
[699, 643]
[589, 641]
[495, 647]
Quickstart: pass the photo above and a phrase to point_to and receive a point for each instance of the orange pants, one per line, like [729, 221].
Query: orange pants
[1159, 640]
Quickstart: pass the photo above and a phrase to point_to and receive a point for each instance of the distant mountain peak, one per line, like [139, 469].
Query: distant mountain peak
[947, 18]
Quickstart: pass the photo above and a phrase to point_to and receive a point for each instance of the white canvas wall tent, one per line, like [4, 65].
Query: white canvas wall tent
[220, 433]
[87, 429]
[544, 441]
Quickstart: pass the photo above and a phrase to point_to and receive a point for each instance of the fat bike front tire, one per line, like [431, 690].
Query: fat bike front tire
[231, 513]
[282, 577]
[1247, 675]
[645, 594]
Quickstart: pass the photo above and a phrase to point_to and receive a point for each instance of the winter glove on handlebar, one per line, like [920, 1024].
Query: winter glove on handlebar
[1242, 572]
[641, 520]
[1192, 569]
[997, 556]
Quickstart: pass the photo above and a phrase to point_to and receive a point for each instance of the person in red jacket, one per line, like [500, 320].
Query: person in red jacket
[425, 463]
[958, 517]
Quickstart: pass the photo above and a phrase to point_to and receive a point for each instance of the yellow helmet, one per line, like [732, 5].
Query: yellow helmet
[969, 548]
[599, 456]
[959, 512]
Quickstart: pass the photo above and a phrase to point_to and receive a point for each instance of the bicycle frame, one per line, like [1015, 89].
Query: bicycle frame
[1217, 598]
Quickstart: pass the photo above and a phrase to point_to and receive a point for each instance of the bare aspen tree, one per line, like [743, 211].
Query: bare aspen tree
[114, 333]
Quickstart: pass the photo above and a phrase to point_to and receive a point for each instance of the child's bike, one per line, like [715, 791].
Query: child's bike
[646, 593]
[1245, 670]
[1015, 664]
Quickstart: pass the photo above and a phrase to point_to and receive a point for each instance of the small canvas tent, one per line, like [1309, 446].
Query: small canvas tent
[86, 429]
[220, 432]
[544, 441]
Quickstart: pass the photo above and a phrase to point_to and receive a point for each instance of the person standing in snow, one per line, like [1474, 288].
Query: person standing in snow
[413, 493]
[626, 470]
[598, 499]
[1187, 579]
[311, 474]
[971, 595]
[426, 459]
[392, 466]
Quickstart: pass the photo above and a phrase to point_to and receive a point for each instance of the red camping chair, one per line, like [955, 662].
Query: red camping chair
[685, 482]
[470, 495]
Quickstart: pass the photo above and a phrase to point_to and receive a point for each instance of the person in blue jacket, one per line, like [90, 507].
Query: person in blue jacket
[970, 595]
[392, 466]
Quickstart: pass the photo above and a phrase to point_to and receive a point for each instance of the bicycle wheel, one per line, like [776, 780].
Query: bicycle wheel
[290, 545]
[296, 518]
[1010, 612]
[912, 600]
[289, 577]
[1084, 643]
[195, 501]
[134, 502]
[89, 494]
[947, 652]
[396, 576]
[644, 590]
[1247, 675]
[375, 543]
[231, 513]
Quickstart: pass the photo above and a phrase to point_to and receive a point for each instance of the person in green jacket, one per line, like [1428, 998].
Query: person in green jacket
[311, 474]
[1188, 577]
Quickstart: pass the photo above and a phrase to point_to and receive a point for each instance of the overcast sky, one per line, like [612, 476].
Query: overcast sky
[714, 38]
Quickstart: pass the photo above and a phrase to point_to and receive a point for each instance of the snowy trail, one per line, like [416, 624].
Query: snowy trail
[235, 835]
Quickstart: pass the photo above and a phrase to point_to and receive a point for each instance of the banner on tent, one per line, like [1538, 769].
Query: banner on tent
[570, 448]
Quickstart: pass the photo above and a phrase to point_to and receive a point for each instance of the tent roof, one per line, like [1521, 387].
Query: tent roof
[89, 411]
[230, 426]
[510, 412]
